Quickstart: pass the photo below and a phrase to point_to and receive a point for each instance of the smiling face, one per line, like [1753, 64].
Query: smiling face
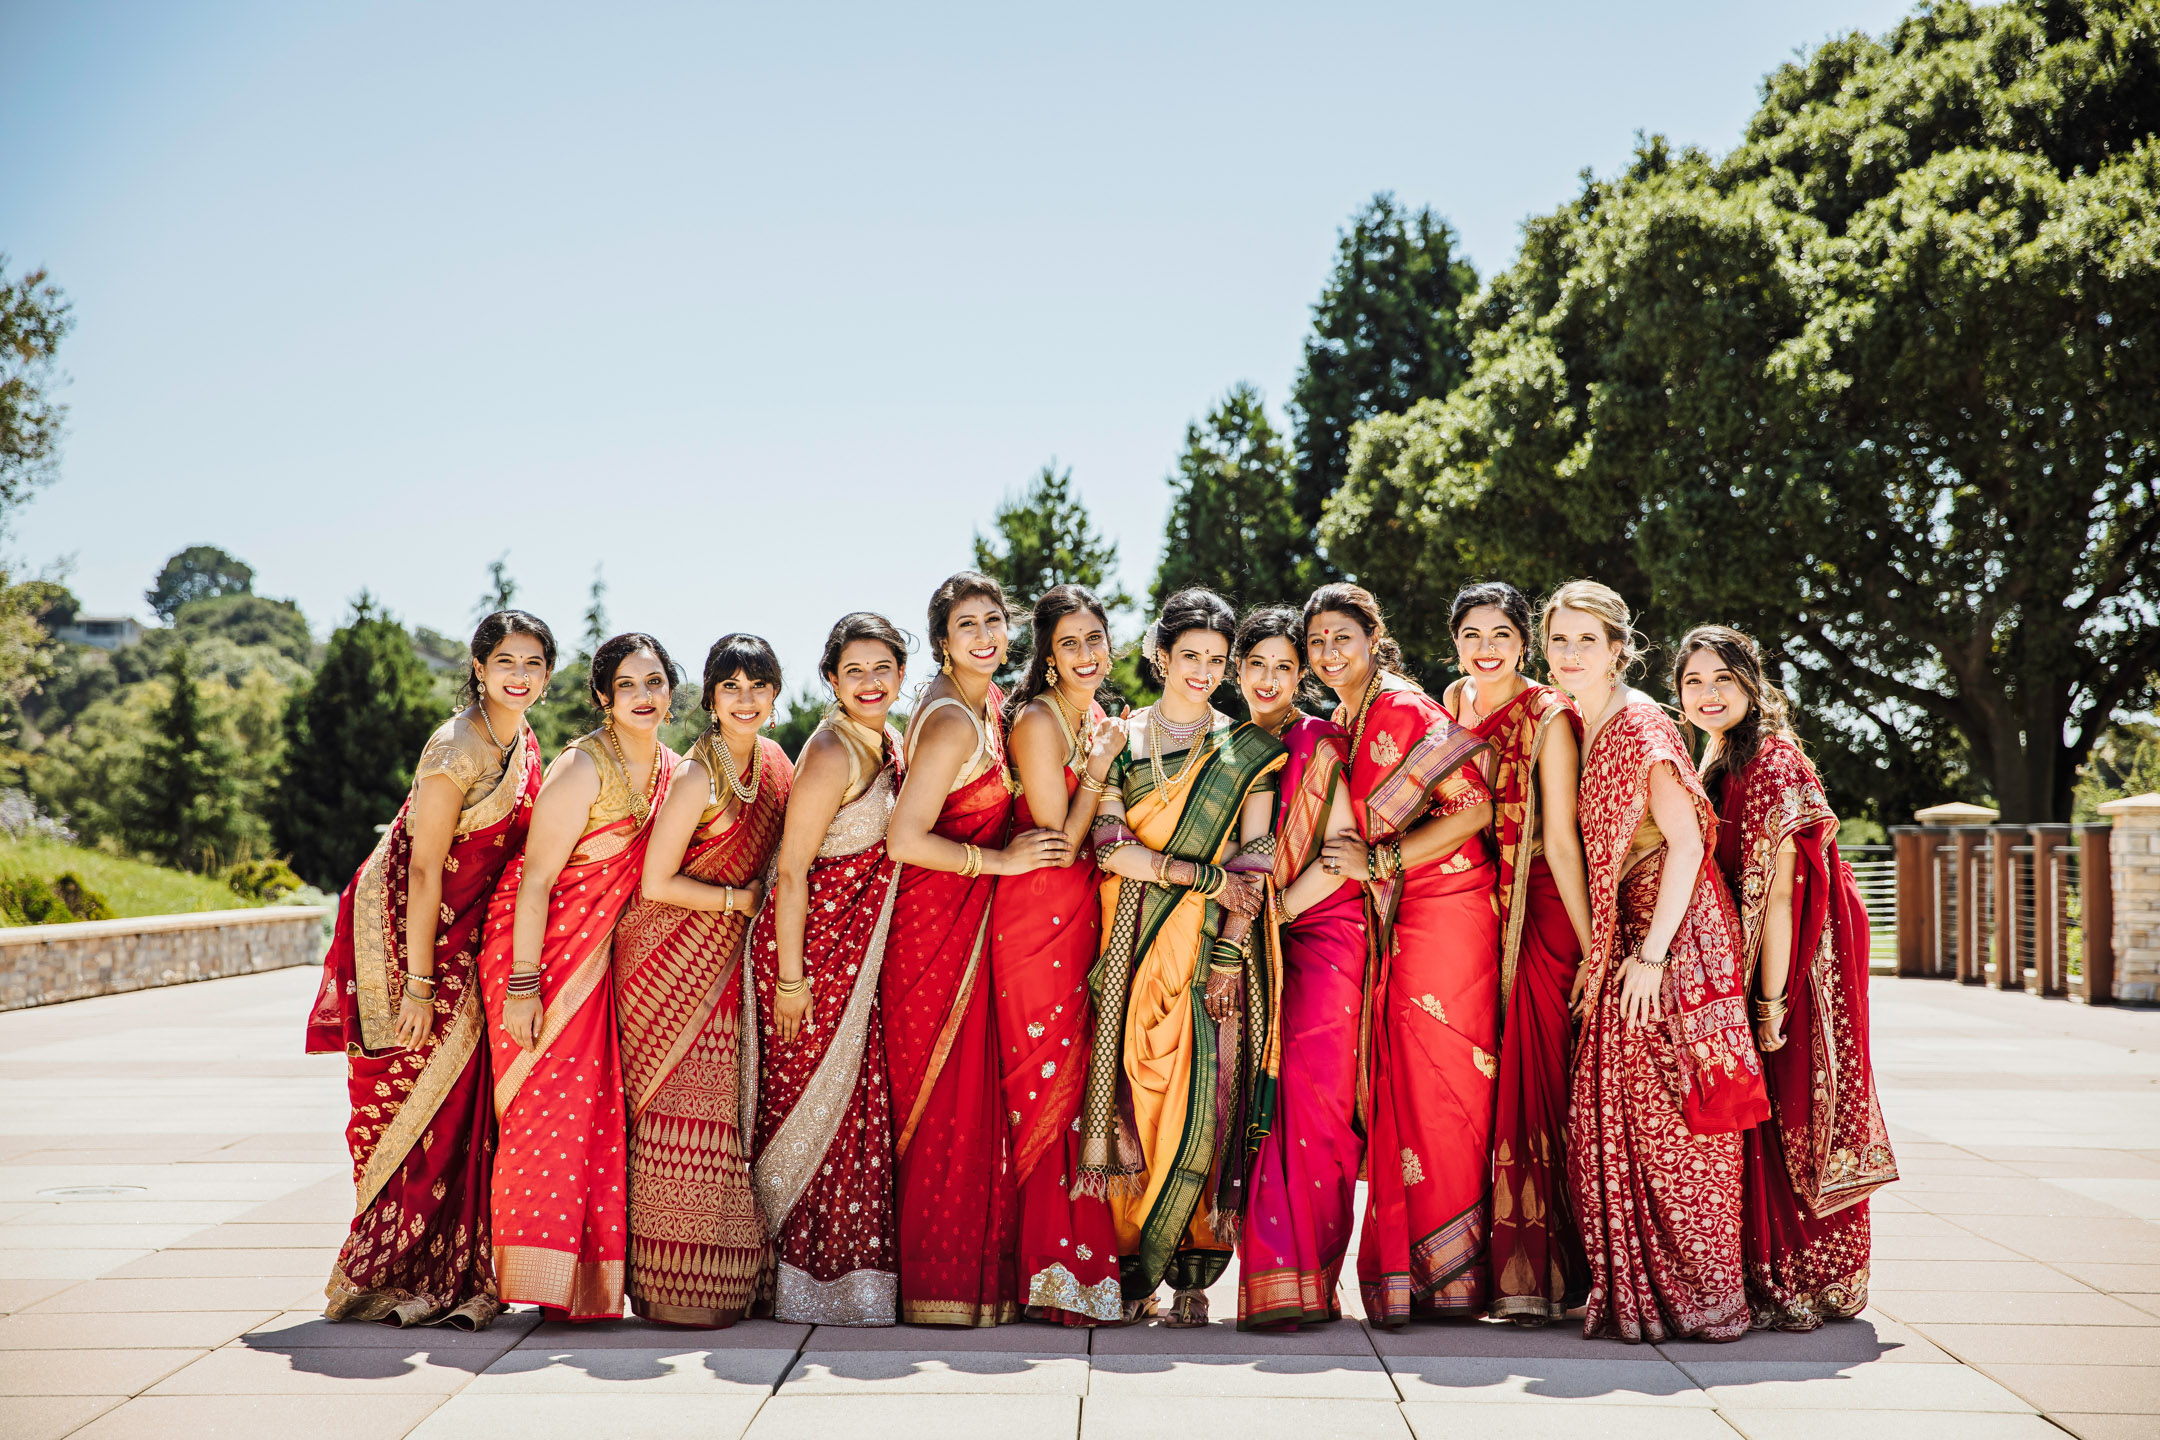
[867, 681]
[515, 675]
[1340, 653]
[1080, 648]
[1192, 666]
[1710, 694]
[1488, 644]
[740, 706]
[1268, 678]
[1578, 651]
[638, 695]
[975, 636]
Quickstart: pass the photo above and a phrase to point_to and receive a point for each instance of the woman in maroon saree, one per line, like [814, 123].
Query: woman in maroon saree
[558, 1193]
[697, 1246]
[1045, 929]
[1302, 1192]
[1665, 1076]
[955, 1197]
[1538, 1270]
[1809, 1168]
[400, 998]
[1432, 1026]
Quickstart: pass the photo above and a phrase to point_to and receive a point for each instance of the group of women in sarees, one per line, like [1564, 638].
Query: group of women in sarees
[1033, 1011]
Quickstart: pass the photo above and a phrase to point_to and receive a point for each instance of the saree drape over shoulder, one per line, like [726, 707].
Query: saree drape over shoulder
[1045, 931]
[820, 1111]
[954, 1201]
[1656, 1110]
[1303, 1190]
[697, 1246]
[560, 1226]
[1170, 1094]
[1433, 1026]
[1537, 1265]
[1809, 1168]
[422, 1132]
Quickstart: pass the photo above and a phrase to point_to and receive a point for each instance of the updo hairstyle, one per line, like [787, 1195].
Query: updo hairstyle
[1603, 603]
[1357, 602]
[1183, 613]
[610, 656]
[495, 629]
[740, 654]
[963, 585]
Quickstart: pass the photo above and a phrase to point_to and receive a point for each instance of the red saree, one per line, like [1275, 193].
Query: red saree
[697, 1247]
[954, 1197]
[1303, 1198]
[1537, 1265]
[1809, 1169]
[1433, 1025]
[1656, 1110]
[1045, 927]
[421, 1132]
[558, 1192]
[823, 1160]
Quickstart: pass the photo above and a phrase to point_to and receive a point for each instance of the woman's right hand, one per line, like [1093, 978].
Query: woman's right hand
[1642, 989]
[1035, 850]
[415, 1022]
[521, 1019]
[1242, 894]
[1103, 743]
[788, 1014]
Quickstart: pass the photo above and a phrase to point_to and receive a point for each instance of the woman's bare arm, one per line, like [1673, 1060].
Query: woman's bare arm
[1559, 772]
[672, 831]
[821, 777]
[945, 742]
[1314, 884]
[431, 824]
[559, 816]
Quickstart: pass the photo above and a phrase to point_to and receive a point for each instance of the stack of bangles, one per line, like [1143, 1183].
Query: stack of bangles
[790, 987]
[1093, 786]
[971, 862]
[1227, 954]
[424, 995]
[522, 982]
[1209, 880]
[1766, 1010]
[1386, 861]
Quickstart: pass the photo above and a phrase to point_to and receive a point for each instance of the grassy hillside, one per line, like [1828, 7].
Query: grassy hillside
[130, 887]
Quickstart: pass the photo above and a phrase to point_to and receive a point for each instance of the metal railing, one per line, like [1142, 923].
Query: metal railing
[1874, 869]
[2016, 906]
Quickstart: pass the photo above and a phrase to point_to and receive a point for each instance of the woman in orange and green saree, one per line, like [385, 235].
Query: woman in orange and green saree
[1181, 998]
[560, 1228]
[1537, 1265]
[1421, 806]
[697, 1246]
[401, 998]
[1303, 1187]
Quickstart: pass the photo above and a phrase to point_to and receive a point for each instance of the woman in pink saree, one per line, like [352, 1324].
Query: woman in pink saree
[561, 1232]
[1809, 1168]
[1302, 1191]
[401, 999]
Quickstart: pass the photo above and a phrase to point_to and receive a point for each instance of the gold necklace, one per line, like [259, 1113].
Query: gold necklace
[1069, 727]
[493, 736]
[640, 799]
[1157, 729]
[1364, 710]
[718, 745]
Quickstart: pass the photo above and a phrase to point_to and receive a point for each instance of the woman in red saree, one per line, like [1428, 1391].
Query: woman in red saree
[1537, 1266]
[1045, 927]
[1432, 1023]
[1809, 1169]
[1302, 1194]
[955, 1199]
[560, 1228]
[1665, 1075]
[402, 960]
[697, 1246]
[823, 1156]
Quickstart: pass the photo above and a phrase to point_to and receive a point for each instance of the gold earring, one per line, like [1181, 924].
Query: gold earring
[1050, 672]
[945, 668]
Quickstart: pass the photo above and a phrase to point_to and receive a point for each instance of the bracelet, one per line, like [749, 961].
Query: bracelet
[791, 987]
[970, 862]
[1648, 964]
[1770, 1009]
[522, 982]
[1209, 880]
[1226, 954]
[1094, 786]
[428, 980]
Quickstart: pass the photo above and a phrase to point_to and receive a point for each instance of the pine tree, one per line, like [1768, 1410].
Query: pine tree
[1234, 525]
[1045, 538]
[351, 739]
[186, 805]
[501, 590]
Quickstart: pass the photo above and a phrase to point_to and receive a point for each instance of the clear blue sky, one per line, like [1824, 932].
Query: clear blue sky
[761, 308]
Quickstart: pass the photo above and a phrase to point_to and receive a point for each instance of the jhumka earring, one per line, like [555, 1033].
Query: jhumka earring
[946, 667]
[1050, 672]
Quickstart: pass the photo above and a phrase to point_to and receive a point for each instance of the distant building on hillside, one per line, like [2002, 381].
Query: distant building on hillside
[106, 632]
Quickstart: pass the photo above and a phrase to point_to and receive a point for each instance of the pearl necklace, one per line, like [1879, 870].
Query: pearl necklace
[1160, 730]
[718, 746]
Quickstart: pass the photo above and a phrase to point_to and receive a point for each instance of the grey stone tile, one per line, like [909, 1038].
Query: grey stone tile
[136, 1237]
[1560, 1341]
[2107, 1427]
[644, 1335]
[1222, 1337]
[1537, 1382]
[2118, 1241]
[2150, 1304]
[48, 1417]
[2093, 1389]
[1509, 1421]
[1913, 1222]
[922, 1372]
[919, 1417]
[22, 1294]
[261, 1417]
[1122, 1417]
[153, 1330]
[1023, 1339]
[273, 1293]
[1887, 1276]
[54, 1264]
[130, 1212]
[365, 1370]
[88, 1372]
[326, 1202]
[1965, 1247]
[1790, 1385]
[1892, 1425]
[298, 1330]
[1314, 1377]
[2049, 1344]
[676, 1370]
[2113, 1277]
[224, 1264]
[701, 1415]
[245, 1236]
[1973, 1307]
[1871, 1338]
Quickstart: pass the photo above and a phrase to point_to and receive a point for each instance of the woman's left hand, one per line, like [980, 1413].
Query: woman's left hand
[1225, 988]
[1770, 1034]
[1347, 856]
[415, 1022]
[1242, 894]
[1642, 991]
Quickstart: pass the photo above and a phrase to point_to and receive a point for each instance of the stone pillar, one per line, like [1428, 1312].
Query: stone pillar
[2134, 875]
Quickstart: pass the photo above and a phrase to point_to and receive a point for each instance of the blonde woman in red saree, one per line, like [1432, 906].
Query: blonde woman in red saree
[1045, 929]
[1537, 1265]
[697, 1246]
[1432, 998]
[1665, 1076]
[1810, 1168]
[400, 997]
[560, 1227]
[1302, 1201]
[821, 1114]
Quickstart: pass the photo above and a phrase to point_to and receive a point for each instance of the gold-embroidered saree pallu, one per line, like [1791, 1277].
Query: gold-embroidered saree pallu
[1432, 1029]
[559, 1214]
[697, 1244]
[1656, 1110]
[1536, 1257]
[1161, 1130]
[1809, 1168]
[422, 1132]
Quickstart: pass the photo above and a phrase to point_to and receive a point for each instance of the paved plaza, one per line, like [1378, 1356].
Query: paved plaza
[2016, 1282]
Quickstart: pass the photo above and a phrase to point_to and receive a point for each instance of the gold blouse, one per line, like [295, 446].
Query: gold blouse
[462, 750]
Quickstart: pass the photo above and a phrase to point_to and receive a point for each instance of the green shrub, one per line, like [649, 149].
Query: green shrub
[82, 902]
[266, 881]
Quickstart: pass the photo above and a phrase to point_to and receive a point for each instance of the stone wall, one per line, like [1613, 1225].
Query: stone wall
[45, 964]
[2134, 853]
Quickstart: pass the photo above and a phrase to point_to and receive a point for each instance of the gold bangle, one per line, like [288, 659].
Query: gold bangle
[791, 987]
